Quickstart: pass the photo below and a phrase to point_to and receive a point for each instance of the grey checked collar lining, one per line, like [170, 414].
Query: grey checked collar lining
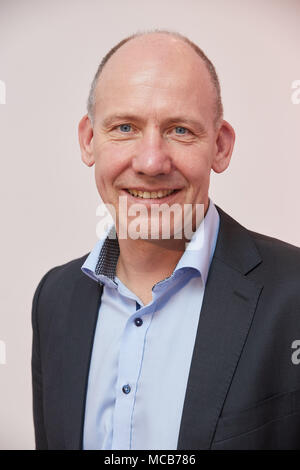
[108, 257]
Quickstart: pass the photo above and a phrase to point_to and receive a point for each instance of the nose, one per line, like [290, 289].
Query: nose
[152, 156]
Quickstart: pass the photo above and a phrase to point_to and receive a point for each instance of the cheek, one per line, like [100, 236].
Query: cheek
[109, 164]
[105, 175]
[196, 170]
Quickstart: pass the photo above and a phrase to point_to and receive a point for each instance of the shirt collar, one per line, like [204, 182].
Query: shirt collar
[199, 251]
[101, 263]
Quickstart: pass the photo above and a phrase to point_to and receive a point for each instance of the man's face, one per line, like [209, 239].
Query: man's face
[154, 125]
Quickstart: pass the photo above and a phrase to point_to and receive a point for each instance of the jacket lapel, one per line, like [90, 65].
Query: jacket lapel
[80, 327]
[228, 308]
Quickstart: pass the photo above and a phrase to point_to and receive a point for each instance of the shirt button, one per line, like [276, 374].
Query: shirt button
[126, 389]
[138, 321]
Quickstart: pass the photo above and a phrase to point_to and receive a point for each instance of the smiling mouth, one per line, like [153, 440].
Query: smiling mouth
[151, 194]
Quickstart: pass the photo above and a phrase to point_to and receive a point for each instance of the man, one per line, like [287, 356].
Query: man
[146, 343]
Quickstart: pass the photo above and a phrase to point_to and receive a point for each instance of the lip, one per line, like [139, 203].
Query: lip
[150, 201]
[151, 190]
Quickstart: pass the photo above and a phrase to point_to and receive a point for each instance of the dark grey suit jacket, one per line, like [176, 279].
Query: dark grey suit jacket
[243, 389]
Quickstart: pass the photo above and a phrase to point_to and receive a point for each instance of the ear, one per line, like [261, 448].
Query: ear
[224, 147]
[85, 135]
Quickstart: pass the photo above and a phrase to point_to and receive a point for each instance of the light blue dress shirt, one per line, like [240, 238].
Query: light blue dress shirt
[142, 354]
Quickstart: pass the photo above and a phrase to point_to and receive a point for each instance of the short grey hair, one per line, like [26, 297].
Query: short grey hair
[210, 67]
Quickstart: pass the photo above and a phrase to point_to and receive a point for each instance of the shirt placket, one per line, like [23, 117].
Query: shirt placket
[129, 368]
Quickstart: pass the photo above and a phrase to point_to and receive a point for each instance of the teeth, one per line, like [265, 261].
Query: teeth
[152, 194]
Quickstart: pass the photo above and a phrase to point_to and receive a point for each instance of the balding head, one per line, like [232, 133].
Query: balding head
[162, 46]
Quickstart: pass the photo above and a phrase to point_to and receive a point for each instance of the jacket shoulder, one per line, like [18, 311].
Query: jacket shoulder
[280, 262]
[275, 258]
[67, 271]
[57, 285]
[270, 246]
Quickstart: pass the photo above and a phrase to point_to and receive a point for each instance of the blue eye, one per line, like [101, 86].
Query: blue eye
[125, 127]
[180, 130]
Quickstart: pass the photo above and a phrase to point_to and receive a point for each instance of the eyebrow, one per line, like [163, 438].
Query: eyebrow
[109, 120]
[190, 122]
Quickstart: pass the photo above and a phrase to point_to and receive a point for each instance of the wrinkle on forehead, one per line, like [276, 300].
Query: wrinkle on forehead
[154, 64]
[155, 55]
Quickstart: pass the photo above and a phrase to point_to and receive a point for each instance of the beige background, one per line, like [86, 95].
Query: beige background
[49, 51]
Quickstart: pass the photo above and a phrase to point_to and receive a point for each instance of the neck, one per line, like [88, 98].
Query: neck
[148, 259]
[144, 262]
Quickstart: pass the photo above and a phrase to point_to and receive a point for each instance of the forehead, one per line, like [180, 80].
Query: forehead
[155, 72]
